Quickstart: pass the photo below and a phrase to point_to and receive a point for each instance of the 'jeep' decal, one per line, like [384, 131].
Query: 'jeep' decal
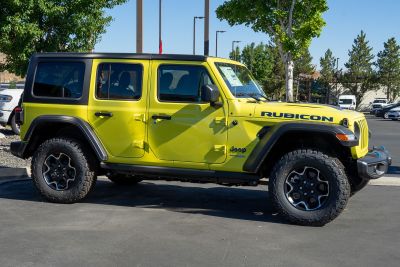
[296, 116]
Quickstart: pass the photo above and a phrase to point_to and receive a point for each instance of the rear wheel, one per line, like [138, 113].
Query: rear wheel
[63, 170]
[308, 187]
[15, 126]
[124, 179]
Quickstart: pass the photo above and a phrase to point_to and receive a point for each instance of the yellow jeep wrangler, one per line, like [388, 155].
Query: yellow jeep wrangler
[134, 117]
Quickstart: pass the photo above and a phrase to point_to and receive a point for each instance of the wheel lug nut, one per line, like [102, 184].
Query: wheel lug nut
[301, 188]
[312, 192]
[305, 194]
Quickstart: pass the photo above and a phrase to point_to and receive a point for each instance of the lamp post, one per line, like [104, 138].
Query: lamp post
[194, 33]
[233, 49]
[216, 42]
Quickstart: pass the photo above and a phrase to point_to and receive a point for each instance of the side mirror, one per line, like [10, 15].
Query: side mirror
[210, 93]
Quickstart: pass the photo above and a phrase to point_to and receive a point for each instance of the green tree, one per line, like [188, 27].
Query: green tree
[360, 77]
[327, 64]
[274, 85]
[235, 55]
[31, 26]
[388, 64]
[303, 71]
[291, 24]
[303, 64]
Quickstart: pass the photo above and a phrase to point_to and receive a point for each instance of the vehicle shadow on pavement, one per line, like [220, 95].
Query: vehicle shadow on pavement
[243, 203]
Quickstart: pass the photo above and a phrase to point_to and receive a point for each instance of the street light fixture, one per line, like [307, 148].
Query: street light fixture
[216, 42]
[233, 49]
[194, 33]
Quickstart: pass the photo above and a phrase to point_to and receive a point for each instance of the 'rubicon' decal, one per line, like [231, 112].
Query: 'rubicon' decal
[296, 116]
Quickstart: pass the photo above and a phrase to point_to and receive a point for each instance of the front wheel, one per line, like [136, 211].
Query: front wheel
[308, 187]
[386, 115]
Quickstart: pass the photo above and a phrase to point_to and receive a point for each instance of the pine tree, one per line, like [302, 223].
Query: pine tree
[360, 77]
[388, 64]
[327, 63]
[303, 71]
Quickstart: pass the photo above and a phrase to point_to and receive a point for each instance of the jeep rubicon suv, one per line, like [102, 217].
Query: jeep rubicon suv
[133, 117]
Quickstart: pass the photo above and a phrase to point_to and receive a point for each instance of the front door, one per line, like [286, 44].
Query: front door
[182, 128]
[117, 107]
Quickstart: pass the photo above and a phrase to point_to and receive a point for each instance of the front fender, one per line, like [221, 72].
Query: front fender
[269, 136]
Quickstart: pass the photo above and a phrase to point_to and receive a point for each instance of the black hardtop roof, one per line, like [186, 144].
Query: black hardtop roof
[121, 56]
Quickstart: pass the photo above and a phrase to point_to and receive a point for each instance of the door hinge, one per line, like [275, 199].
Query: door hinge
[140, 117]
[138, 144]
[221, 120]
[220, 148]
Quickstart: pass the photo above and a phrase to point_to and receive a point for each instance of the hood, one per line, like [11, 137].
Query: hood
[395, 109]
[304, 112]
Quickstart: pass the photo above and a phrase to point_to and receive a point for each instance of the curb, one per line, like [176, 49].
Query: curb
[386, 181]
[5, 173]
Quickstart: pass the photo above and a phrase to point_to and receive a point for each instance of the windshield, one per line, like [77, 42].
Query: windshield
[345, 101]
[379, 101]
[239, 80]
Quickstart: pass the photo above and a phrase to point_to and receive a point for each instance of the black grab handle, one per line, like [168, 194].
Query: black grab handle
[103, 114]
[162, 117]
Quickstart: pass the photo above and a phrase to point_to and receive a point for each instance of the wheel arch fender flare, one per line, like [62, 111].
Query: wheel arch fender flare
[269, 137]
[84, 128]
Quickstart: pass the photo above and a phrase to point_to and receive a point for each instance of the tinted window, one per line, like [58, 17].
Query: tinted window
[181, 83]
[119, 81]
[59, 79]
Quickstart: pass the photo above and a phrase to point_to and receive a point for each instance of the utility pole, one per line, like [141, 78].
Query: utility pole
[139, 26]
[194, 33]
[206, 27]
[216, 42]
[233, 49]
[160, 46]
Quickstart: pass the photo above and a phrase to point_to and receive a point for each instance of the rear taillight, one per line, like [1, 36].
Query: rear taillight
[19, 115]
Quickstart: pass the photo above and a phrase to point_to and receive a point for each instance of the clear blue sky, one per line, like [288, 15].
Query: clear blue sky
[345, 19]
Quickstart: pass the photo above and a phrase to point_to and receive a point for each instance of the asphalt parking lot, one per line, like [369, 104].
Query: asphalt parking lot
[180, 224]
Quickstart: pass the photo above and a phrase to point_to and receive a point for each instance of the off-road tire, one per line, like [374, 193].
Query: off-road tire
[14, 125]
[83, 162]
[332, 170]
[124, 179]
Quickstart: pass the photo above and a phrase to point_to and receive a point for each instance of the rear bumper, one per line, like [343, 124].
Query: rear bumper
[5, 115]
[375, 164]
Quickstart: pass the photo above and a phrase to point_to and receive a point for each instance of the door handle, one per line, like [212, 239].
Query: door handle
[103, 114]
[161, 117]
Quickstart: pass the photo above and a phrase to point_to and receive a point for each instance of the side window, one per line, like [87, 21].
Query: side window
[119, 81]
[181, 83]
[59, 79]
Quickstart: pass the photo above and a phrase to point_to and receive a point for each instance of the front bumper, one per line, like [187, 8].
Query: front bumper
[375, 164]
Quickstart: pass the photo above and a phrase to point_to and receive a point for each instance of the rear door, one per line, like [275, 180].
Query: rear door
[117, 106]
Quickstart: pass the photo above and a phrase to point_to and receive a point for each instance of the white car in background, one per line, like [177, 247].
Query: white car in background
[394, 114]
[9, 100]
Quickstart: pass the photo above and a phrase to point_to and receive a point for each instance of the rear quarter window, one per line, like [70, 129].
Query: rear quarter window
[59, 80]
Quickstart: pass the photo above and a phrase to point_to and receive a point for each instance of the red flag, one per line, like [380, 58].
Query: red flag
[160, 47]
